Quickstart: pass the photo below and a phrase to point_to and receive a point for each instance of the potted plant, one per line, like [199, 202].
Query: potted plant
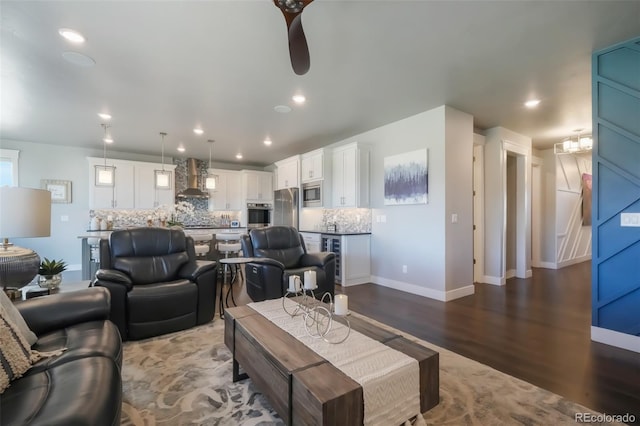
[51, 273]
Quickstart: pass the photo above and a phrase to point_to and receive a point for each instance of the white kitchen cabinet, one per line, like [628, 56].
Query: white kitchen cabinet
[287, 173]
[147, 195]
[312, 241]
[228, 192]
[314, 165]
[120, 195]
[350, 186]
[353, 257]
[257, 186]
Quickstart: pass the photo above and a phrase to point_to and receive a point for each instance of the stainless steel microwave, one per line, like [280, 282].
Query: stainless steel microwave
[312, 194]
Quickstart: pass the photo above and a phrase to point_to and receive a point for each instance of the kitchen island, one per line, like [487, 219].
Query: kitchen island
[91, 245]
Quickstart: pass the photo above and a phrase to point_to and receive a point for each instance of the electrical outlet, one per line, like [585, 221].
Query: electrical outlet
[404, 269]
[64, 218]
[454, 218]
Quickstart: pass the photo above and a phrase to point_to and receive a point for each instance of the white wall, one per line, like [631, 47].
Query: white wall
[438, 254]
[566, 241]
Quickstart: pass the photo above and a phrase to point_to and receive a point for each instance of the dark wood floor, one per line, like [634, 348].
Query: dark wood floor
[536, 329]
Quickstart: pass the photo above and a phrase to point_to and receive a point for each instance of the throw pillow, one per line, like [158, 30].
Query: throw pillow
[16, 355]
[17, 319]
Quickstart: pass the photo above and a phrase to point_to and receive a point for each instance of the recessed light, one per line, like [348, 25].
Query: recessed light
[181, 148]
[267, 142]
[107, 139]
[104, 116]
[532, 103]
[71, 35]
[77, 58]
[282, 109]
[299, 99]
[239, 156]
[198, 131]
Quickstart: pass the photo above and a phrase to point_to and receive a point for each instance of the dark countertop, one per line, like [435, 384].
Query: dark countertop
[337, 233]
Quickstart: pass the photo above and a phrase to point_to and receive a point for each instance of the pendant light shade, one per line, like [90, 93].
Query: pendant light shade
[211, 179]
[105, 175]
[162, 177]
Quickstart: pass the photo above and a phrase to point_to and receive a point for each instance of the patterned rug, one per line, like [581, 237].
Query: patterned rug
[185, 378]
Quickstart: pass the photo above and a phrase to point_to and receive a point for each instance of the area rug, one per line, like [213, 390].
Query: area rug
[184, 378]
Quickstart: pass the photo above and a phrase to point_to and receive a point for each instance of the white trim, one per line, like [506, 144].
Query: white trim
[528, 273]
[355, 281]
[494, 280]
[443, 296]
[511, 273]
[615, 338]
[548, 265]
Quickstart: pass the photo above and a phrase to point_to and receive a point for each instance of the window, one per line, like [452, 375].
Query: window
[9, 167]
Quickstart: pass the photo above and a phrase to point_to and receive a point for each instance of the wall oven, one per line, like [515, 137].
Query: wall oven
[312, 194]
[258, 215]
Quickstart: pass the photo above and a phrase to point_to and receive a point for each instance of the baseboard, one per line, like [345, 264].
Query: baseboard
[511, 273]
[548, 265]
[488, 279]
[574, 261]
[443, 296]
[355, 281]
[615, 338]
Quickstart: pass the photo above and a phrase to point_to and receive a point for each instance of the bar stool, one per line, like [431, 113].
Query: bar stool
[228, 245]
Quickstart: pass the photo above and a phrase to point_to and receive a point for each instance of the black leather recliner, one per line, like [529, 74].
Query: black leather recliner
[281, 253]
[157, 286]
[83, 385]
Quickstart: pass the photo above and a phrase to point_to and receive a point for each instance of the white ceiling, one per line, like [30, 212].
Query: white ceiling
[173, 65]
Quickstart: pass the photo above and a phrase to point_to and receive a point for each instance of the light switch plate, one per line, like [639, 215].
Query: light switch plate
[629, 219]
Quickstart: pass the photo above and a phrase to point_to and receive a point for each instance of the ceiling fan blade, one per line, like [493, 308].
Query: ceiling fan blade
[298, 47]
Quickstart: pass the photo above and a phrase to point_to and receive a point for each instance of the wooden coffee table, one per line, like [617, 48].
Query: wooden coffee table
[303, 387]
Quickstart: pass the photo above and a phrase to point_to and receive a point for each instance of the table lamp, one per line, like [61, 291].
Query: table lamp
[24, 213]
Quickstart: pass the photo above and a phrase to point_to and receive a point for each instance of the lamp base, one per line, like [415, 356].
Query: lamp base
[18, 266]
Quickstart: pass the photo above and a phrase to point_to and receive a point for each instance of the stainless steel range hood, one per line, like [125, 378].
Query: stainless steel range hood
[193, 188]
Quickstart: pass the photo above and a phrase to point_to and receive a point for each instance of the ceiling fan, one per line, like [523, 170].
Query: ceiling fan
[298, 48]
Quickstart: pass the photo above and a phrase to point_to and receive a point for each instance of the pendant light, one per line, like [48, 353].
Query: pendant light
[581, 144]
[105, 175]
[162, 177]
[210, 181]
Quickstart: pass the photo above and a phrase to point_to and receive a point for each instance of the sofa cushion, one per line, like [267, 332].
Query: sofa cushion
[86, 391]
[17, 319]
[87, 339]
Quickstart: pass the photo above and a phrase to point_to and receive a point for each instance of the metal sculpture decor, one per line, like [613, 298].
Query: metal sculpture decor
[318, 318]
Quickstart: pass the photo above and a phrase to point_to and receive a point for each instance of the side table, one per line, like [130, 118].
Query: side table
[65, 287]
[230, 261]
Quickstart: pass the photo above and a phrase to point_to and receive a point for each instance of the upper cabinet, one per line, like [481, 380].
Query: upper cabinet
[257, 186]
[148, 193]
[228, 192]
[122, 184]
[350, 176]
[288, 173]
[315, 165]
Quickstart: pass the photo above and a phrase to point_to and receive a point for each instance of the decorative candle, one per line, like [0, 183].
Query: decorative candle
[294, 284]
[341, 304]
[310, 280]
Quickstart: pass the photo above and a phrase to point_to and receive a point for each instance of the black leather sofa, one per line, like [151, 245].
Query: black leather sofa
[157, 285]
[279, 252]
[83, 385]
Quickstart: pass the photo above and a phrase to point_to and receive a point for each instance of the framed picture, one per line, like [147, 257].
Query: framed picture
[406, 178]
[60, 190]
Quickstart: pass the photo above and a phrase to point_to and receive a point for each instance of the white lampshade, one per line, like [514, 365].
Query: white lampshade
[24, 212]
